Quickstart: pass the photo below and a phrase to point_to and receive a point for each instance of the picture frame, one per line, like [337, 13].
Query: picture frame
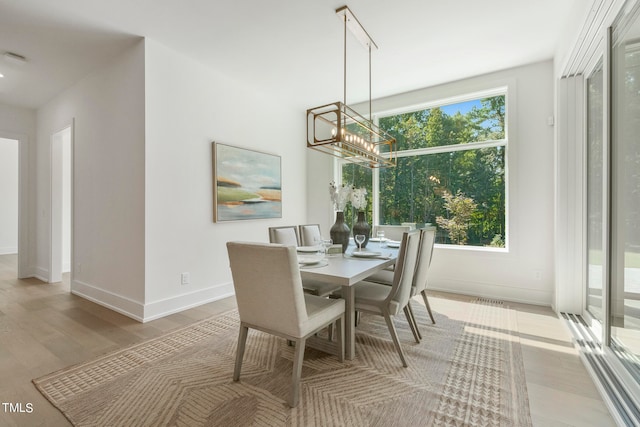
[247, 184]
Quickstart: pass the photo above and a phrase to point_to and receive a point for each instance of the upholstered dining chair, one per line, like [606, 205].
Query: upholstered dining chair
[266, 279]
[393, 232]
[420, 279]
[388, 301]
[288, 235]
[309, 234]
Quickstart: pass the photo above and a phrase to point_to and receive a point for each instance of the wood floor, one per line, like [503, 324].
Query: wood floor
[43, 328]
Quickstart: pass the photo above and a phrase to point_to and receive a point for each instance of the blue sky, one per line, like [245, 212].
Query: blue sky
[462, 107]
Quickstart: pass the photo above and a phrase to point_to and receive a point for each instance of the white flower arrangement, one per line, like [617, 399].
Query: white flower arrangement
[340, 195]
[359, 198]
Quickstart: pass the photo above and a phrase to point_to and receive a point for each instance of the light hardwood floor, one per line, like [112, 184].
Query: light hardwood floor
[43, 328]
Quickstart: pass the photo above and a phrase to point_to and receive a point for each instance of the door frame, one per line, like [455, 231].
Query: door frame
[55, 233]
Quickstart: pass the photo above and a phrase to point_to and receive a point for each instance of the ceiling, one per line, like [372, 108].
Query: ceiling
[290, 47]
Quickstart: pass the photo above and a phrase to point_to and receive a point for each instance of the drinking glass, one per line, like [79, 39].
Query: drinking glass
[326, 243]
[317, 242]
[360, 240]
[381, 239]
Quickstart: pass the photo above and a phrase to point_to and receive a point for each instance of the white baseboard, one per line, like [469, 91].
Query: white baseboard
[488, 290]
[9, 250]
[118, 303]
[165, 307]
[41, 274]
[151, 311]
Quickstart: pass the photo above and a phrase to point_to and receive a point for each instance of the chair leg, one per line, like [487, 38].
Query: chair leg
[394, 336]
[297, 372]
[340, 337]
[242, 340]
[415, 322]
[412, 323]
[426, 303]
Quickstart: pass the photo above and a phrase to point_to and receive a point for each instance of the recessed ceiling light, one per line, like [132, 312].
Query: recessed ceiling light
[1, 75]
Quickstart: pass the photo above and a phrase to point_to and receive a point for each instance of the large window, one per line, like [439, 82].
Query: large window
[450, 173]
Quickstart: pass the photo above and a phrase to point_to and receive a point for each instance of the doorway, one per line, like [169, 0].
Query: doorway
[9, 194]
[61, 204]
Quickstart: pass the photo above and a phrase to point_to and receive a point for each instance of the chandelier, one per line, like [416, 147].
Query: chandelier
[338, 130]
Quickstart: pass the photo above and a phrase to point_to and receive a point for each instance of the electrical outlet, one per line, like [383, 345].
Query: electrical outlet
[184, 278]
[537, 274]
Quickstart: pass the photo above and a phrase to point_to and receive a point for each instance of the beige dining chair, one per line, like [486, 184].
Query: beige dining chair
[388, 301]
[309, 234]
[288, 235]
[420, 280]
[268, 288]
[393, 232]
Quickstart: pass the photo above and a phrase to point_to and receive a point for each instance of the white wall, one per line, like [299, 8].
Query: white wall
[20, 124]
[319, 174]
[512, 275]
[107, 108]
[8, 196]
[187, 107]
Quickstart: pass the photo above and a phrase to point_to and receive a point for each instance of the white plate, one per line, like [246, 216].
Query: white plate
[393, 244]
[309, 260]
[376, 239]
[322, 263]
[307, 249]
[365, 254]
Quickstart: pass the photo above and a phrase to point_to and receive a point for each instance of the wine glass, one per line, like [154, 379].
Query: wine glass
[381, 238]
[360, 240]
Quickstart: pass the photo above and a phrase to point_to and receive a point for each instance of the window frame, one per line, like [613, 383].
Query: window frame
[498, 90]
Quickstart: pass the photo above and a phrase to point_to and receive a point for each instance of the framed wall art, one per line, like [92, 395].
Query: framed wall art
[246, 184]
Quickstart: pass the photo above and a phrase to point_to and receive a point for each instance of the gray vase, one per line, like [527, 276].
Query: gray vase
[362, 227]
[340, 231]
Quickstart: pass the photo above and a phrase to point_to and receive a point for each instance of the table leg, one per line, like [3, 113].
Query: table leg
[348, 294]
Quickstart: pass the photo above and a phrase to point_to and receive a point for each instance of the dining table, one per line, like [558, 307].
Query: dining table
[346, 270]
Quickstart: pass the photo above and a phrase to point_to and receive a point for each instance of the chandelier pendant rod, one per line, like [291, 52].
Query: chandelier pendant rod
[345, 61]
[370, 110]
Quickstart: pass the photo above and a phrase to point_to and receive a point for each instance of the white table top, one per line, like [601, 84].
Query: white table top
[345, 270]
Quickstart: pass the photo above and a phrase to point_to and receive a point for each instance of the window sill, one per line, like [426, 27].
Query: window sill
[469, 248]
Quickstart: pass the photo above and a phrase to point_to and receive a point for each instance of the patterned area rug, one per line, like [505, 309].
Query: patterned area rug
[467, 371]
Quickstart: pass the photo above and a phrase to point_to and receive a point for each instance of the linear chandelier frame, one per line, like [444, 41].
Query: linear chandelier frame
[338, 130]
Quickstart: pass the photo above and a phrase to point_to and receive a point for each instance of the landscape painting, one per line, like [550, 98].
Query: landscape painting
[247, 184]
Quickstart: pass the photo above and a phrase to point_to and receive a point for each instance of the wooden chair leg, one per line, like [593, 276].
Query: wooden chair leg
[412, 323]
[242, 340]
[426, 303]
[394, 336]
[297, 372]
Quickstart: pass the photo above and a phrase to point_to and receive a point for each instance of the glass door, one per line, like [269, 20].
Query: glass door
[595, 202]
[624, 308]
